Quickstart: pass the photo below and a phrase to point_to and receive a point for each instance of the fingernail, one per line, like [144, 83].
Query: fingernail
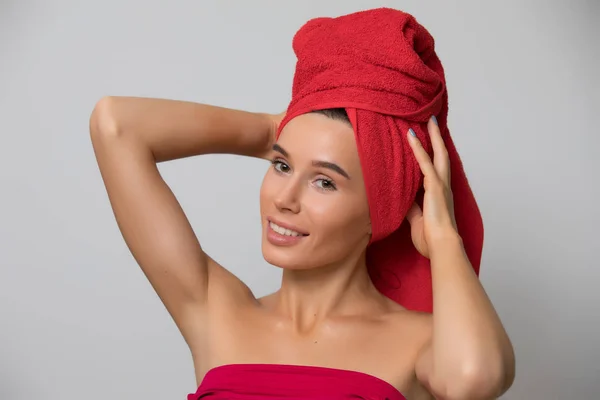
[434, 119]
[412, 133]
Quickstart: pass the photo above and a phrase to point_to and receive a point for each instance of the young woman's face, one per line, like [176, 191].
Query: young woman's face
[313, 201]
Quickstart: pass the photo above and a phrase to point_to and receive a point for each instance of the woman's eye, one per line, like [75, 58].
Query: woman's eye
[280, 166]
[325, 184]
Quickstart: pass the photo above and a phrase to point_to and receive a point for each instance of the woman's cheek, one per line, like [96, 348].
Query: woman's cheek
[327, 211]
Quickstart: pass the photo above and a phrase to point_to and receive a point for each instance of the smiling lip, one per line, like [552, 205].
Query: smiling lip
[287, 226]
[282, 239]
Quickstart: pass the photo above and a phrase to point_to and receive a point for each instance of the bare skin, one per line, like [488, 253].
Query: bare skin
[327, 312]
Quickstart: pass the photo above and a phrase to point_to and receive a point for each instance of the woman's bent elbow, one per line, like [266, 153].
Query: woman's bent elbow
[478, 383]
[103, 119]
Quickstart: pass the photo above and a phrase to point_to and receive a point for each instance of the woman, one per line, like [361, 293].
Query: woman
[330, 331]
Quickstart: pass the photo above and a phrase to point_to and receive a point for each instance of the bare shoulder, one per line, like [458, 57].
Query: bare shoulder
[227, 289]
[227, 302]
[413, 322]
[410, 332]
[415, 328]
[419, 323]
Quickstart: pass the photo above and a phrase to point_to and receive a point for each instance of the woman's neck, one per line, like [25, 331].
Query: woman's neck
[308, 297]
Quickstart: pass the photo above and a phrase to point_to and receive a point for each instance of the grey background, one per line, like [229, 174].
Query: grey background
[77, 317]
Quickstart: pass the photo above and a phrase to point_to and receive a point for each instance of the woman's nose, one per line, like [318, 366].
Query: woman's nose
[287, 200]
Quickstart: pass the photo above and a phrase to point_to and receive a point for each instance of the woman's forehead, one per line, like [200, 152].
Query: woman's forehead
[317, 133]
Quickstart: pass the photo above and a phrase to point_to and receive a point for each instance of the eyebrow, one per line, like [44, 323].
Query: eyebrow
[316, 163]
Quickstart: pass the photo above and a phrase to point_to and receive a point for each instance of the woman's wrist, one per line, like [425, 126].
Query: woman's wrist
[445, 244]
[272, 122]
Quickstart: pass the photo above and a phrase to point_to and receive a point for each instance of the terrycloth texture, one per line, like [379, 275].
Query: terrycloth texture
[381, 66]
[273, 381]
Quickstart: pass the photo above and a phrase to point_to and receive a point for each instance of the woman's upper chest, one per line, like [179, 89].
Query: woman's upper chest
[384, 348]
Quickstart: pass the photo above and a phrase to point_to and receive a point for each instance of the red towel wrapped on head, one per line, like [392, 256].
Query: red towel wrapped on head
[381, 66]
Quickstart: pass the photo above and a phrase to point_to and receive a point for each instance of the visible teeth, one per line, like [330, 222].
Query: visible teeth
[283, 231]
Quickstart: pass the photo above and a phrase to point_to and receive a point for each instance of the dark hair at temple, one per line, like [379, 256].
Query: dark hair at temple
[338, 114]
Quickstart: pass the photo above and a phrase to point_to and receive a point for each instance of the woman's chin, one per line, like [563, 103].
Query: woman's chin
[284, 258]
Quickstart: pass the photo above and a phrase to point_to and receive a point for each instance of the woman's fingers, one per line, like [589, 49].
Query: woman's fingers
[421, 155]
[441, 161]
[440, 165]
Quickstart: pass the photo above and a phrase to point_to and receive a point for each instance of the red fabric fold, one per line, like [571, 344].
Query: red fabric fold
[277, 381]
[381, 66]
